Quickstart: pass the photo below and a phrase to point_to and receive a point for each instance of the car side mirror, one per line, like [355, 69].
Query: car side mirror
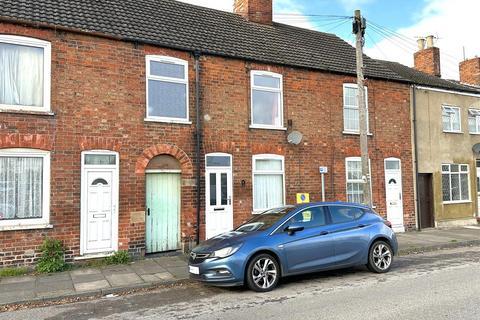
[293, 228]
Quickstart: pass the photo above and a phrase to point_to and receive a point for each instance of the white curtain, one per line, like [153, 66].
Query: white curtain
[20, 187]
[268, 191]
[21, 75]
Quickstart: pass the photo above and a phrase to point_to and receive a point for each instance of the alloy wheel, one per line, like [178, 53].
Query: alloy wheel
[382, 256]
[264, 273]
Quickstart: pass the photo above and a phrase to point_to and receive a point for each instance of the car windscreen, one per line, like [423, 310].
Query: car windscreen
[265, 220]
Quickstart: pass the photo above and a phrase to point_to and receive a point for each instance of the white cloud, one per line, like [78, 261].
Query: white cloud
[293, 8]
[225, 5]
[453, 22]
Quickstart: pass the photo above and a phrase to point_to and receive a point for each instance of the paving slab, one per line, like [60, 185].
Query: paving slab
[54, 286]
[124, 279]
[20, 279]
[54, 277]
[91, 286]
[88, 277]
[147, 267]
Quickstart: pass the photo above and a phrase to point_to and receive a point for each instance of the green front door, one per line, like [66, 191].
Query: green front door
[163, 211]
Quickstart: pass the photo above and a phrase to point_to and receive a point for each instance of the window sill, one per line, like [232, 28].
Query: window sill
[28, 112]
[25, 227]
[174, 121]
[356, 133]
[254, 126]
[457, 202]
[475, 133]
[458, 132]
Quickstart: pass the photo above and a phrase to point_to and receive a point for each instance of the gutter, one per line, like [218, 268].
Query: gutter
[415, 149]
[198, 138]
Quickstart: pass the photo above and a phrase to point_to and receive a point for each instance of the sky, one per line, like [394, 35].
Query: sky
[393, 27]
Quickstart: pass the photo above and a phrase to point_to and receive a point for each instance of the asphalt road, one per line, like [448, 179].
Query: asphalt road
[438, 285]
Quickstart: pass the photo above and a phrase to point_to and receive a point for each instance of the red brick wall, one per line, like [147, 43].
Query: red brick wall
[259, 11]
[98, 101]
[428, 61]
[470, 71]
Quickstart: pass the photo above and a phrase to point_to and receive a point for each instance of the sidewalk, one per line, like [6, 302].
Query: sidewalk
[152, 272]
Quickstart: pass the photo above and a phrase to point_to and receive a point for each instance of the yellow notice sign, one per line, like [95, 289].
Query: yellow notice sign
[303, 197]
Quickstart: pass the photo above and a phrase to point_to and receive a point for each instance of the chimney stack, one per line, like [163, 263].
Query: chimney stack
[470, 71]
[427, 59]
[259, 11]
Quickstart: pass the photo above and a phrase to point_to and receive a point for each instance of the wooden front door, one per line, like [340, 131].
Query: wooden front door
[162, 225]
[425, 200]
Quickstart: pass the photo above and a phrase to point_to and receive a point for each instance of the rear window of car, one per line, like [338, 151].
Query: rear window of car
[342, 214]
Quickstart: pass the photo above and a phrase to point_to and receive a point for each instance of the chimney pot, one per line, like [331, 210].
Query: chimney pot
[421, 44]
[430, 40]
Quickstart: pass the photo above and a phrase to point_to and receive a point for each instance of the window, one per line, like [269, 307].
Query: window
[24, 187]
[310, 218]
[355, 182]
[474, 120]
[351, 112]
[267, 100]
[24, 74]
[167, 89]
[268, 182]
[341, 214]
[451, 119]
[455, 184]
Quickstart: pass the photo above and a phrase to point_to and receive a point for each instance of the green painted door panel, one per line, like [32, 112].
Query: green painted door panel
[163, 211]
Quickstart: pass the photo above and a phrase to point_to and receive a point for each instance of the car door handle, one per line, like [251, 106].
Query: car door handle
[361, 226]
[324, 233]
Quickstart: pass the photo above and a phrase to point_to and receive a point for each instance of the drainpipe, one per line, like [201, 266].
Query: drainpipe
[198, 136]
[415, 148]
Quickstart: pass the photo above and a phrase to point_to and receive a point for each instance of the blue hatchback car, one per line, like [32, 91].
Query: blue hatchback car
[293, 240]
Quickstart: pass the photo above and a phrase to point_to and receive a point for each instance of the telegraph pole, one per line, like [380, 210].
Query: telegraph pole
[359, 26]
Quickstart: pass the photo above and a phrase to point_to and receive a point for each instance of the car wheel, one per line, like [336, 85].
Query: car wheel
[380, 257]
[263, 273]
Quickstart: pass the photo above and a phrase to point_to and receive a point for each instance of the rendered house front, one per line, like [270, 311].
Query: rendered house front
[98, 139]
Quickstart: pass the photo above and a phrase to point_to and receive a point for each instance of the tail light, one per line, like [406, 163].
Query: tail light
[387, 223]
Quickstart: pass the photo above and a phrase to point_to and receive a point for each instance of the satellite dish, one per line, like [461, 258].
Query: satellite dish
[294, 137]
[476, 148]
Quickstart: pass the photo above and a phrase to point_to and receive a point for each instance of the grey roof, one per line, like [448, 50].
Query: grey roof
[184, 26]
[422, 78]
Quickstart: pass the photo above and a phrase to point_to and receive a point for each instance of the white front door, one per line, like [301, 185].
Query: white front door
[218, 195]
[99, 222]
[394, 194]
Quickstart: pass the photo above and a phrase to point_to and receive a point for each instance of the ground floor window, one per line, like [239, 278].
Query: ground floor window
[268, 181]
[24, 186]
[455, 185]
[354, 180]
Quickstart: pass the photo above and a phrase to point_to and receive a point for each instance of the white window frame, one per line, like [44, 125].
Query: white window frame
[459, 182]
[357, 159]
[47, 60]
[148, 76]
[357, 107]
[253, 87]
[33, 223]
[475, 115]
[445, 107]
[255, 172]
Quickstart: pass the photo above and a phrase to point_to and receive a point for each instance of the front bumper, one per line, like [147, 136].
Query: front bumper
[219, 272]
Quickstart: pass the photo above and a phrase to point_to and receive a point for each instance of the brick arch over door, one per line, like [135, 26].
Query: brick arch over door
[168, 149]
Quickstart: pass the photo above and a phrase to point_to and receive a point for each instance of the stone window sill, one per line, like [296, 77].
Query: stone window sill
[25, 227]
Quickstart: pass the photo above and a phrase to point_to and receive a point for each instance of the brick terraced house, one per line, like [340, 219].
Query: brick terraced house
[146, 125]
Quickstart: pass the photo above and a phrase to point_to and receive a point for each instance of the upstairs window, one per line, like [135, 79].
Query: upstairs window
[474, 120]
[24, 74]
[267, 100]
[167, 89]
[455, 184]
[451, 119]
[351, 111]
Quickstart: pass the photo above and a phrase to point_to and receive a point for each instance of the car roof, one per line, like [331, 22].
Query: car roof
[306, 205]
